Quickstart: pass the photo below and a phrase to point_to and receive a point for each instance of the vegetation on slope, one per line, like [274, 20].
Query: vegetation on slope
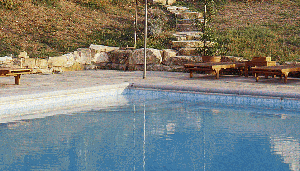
[264, 29]
[51, 27]
[267, 28]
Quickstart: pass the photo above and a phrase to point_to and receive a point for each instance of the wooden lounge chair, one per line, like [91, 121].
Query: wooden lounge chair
[281, 70]
[258, 61]
[212, 66]
[6, 72]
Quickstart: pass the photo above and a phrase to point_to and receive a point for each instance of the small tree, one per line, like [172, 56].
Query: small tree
[211, 44]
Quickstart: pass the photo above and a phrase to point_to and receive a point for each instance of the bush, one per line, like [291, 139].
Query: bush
[45, 2]
[10, 4]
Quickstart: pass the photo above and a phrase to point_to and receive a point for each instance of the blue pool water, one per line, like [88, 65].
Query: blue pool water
[156, 130]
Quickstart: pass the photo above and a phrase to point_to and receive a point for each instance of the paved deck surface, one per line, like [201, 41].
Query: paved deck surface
[34, 83]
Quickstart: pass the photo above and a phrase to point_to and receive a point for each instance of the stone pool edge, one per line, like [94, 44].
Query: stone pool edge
[257, 93]
[20, 106]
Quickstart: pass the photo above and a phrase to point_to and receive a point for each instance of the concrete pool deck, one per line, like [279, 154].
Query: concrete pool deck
[34, 83]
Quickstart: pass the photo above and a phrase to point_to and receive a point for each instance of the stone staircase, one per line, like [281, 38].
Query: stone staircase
[188, 35]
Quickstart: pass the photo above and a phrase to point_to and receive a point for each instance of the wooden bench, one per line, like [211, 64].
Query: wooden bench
[212, 66]
[281, 71]
[6, 72]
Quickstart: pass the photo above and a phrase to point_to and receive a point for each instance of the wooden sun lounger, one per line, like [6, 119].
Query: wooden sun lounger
[258, 61]
[6, 72]
[212, 66]
[282, 70]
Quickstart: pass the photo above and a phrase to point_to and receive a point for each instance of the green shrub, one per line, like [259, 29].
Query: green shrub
[10, 4]
[93, 4]
[45, 2]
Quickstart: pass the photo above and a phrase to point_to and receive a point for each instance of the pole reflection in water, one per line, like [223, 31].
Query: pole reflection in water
[134, 137]
[144, 144]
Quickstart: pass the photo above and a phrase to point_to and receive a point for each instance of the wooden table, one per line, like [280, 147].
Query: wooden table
[16, 72]
[282, 70]
[212, 66]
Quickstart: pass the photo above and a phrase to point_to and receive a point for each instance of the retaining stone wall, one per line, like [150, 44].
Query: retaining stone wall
[104, 57]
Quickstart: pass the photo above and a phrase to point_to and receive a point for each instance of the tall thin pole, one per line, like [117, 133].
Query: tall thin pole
[204, 25]
[135, 24]
[145, 43]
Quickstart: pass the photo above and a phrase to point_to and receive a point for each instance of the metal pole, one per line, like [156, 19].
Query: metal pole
[145, 43]
[135, 23]
[204, 25]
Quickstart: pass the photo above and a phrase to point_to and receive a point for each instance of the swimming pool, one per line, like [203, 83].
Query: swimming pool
[158, 130]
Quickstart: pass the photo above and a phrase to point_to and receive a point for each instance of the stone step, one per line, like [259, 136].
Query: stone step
[181, 60]
[192, 35]
[189, 15]
[189, 33]
[186, 27]
[188, 52]
[182, 38]
[187, 44]
[189, 21]
[175, 9]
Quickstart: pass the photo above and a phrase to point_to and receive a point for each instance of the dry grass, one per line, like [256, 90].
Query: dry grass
[44, 29]
[261, 29]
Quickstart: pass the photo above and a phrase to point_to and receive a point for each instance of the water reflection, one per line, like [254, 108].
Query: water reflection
[289, 150]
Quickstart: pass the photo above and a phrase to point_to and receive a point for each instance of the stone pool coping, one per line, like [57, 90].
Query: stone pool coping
[48, 103]
[238, 92]
[73, 80]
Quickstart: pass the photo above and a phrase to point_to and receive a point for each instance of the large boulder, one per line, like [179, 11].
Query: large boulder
[181, 60]
[168, 53]
[102, 48]
[97, 48]
[6, 61]
[29, 63]
[41, 63]
[100, 57]
[120, 56]
[23, 55]
[66, 60]
[153, 57]
[83, 56]
[58, 61]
